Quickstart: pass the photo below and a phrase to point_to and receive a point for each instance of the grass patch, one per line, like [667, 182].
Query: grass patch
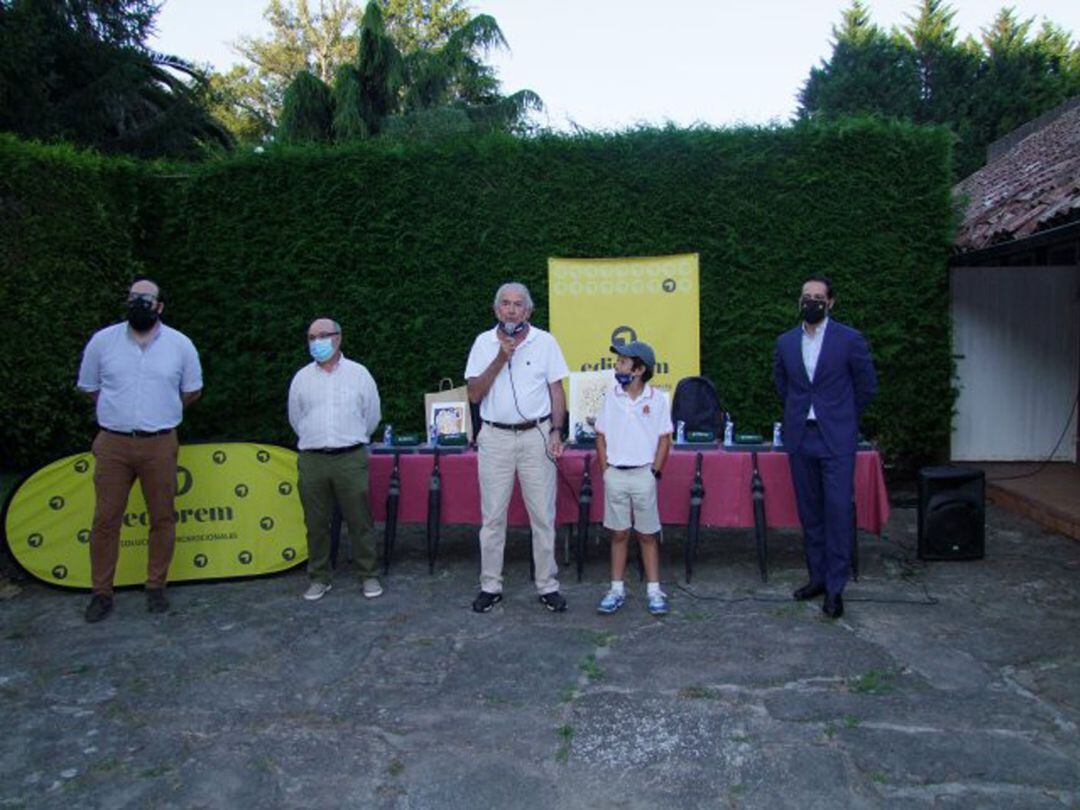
[851, 721]
[568, 693]
[603, 638]
[873, 682]
[396, 767]
[566, 736]
[591, 669]
[877, 777]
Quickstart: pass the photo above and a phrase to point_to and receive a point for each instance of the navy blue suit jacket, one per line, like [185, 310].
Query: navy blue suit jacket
[844, 383]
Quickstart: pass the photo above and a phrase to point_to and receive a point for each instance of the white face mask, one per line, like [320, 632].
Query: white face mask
[322, 349]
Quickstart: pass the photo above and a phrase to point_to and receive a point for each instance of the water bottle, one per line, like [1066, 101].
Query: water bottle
[680, 432]
[388, 435]
[729, 433]
[777, 437]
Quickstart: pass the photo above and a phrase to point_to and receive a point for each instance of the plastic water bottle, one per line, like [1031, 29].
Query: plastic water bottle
[729, 433]
[388, 435]
[777, 436]
[680, 432]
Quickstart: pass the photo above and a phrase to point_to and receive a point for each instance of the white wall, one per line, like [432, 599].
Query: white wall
[1016, 334]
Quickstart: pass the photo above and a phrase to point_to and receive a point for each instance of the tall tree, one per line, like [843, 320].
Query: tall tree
[869, 71]
[79, 70]
[318, 38]
[981, 89]
[427, 93]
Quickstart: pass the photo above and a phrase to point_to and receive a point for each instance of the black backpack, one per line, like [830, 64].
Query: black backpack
[697, 404]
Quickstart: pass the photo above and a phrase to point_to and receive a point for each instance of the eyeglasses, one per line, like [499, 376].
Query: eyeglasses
[817, 299]
[321, 335]
[148, 298]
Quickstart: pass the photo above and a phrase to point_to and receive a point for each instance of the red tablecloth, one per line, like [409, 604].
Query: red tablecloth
[726, 476]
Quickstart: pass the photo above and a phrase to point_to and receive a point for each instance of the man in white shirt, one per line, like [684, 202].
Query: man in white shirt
[140, 375]
[334, 407]
[515, 372]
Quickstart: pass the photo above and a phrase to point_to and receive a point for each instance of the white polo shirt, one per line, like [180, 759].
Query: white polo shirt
[138, 386]
[520, 390]
[632, 427]
[336, 408]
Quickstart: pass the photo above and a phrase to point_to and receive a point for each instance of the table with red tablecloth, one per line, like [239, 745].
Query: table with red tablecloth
[726, 476]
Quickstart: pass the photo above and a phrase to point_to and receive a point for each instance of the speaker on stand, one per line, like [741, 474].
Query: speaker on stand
[952, 513]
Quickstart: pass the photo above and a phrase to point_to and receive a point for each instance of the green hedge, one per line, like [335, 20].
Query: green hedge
[69, 221]
[405, 245]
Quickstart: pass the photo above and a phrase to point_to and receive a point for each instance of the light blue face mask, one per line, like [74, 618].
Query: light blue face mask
[322, 349]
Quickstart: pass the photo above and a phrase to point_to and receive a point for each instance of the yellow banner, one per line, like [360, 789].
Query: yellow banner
[237, 514]
[598, 303]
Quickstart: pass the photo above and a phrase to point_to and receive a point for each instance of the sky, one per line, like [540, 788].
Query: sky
[614, 64]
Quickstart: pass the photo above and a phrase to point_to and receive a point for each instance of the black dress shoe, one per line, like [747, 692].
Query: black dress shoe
[808, 591]
[156, 601]
[834, 605]
[100, 606]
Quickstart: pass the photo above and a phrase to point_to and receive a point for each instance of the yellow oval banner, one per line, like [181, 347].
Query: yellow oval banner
[237, 515]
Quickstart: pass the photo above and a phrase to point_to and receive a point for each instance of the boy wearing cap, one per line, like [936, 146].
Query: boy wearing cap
[633, 438]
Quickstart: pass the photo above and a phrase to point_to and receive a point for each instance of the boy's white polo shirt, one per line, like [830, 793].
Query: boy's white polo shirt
[632, 427]
[537, 362]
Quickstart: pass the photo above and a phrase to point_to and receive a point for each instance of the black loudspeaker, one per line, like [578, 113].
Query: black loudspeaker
[952, 513]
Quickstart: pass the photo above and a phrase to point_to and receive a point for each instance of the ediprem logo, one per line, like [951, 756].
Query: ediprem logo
[184, 480]
[623, 335]
[199, 514]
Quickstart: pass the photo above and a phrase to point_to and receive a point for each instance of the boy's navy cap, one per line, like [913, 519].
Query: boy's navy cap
[637, 348]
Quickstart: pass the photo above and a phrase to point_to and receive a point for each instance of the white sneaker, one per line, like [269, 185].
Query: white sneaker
[317, 590]
[372, 588]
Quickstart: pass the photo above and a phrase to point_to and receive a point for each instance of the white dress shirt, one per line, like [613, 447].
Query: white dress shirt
[811, 351]
[520, 391]
[139, 385]
[632, 427]
[337, 408]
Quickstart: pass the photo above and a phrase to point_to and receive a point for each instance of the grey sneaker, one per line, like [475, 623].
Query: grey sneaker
[372, 588]
[317, 590]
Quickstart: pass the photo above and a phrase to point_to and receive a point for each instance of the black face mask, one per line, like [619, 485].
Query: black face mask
[141, 315]
[813, 311]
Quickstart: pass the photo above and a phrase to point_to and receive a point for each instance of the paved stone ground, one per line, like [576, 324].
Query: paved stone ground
[244, 695]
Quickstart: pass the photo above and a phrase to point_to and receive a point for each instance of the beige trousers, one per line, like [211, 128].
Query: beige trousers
[502, 454]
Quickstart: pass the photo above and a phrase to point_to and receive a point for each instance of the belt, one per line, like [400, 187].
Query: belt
[139, 434]
[629, 466]
[520, 425]
[333, 451]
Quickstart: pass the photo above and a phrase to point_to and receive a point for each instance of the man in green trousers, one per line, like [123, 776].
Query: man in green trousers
[334, 408]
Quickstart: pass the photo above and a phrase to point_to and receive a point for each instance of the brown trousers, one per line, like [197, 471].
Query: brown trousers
[119, 461]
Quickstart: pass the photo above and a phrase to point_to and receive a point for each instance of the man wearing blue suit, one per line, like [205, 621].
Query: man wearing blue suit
[825, 379]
